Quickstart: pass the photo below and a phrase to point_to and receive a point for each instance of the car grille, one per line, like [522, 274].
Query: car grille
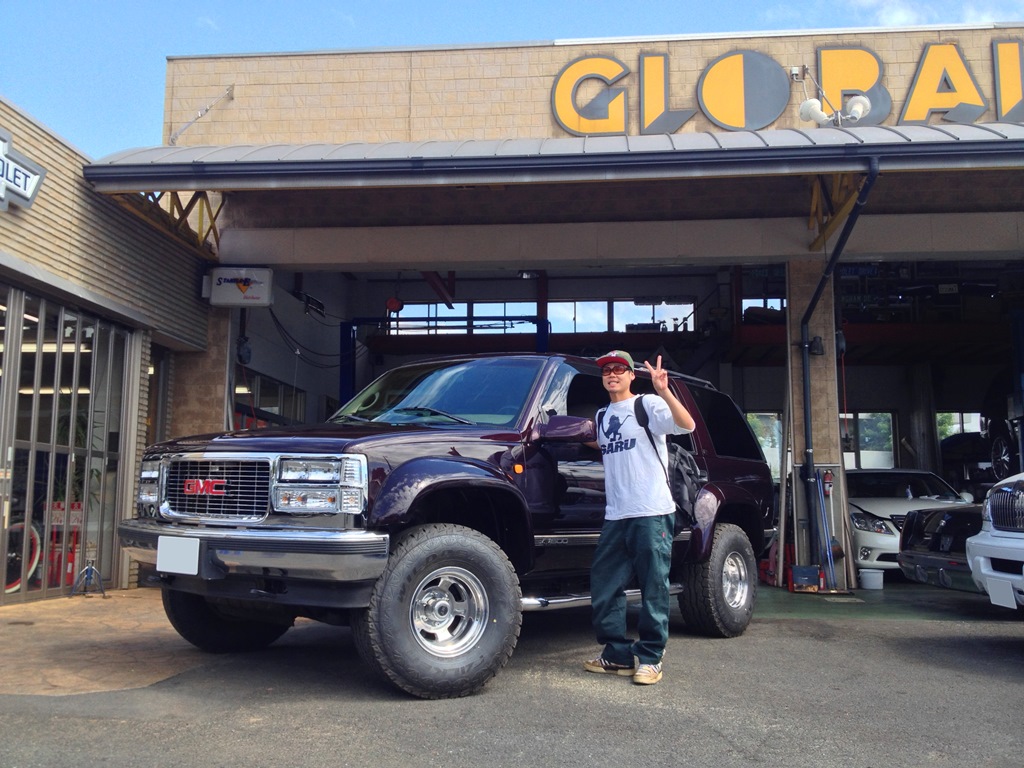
[1007, 507]
[225, 489]
[898, 521]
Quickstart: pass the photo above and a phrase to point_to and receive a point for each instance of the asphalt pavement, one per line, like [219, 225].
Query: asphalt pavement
[909, 675]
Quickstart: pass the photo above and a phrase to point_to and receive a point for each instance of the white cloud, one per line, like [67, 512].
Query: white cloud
[205, 22]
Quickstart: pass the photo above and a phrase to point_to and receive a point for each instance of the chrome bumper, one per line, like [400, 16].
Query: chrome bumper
[316, 555]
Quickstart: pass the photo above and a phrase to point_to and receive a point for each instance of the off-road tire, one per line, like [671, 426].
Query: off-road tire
[209, 629]
[718, 595]
[445, 615]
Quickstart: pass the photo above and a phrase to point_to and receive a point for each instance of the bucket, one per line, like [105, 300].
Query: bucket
[871, 578]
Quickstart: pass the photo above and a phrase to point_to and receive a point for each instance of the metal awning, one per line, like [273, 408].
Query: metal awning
[561, 160]
[710, 176]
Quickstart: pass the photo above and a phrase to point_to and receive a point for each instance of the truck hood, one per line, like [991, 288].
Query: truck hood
[326, 438]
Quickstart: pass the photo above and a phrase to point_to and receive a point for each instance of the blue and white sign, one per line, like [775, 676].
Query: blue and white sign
[20, 178]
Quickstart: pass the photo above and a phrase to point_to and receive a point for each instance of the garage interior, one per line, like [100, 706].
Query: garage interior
[706, 248]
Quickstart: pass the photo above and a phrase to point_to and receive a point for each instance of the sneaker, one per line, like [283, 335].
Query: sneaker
[647, 674]
[602, 666]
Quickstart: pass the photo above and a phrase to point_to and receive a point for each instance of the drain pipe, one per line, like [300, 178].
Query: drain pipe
[809, 473]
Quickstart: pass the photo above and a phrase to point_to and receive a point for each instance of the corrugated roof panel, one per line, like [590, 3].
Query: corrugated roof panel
[395, 150]
[593, 145]
[307, 152]
[660, 142]
[685, 142]
[741, 140]
[451, 149]
[567, 146]
[785, 138]
[925, 134]
[704, 155]
[351, 150]
[831, 137]
[520, 147]
[480, 148]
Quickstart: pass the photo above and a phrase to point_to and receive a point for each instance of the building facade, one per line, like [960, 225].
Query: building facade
[827, 225]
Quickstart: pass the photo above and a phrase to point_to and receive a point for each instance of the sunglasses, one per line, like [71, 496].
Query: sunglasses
[617, 368]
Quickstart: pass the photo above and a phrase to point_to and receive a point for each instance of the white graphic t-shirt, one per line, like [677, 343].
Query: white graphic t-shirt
[634, 478]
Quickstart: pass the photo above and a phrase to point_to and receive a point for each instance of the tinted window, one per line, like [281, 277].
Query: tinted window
[729, 430]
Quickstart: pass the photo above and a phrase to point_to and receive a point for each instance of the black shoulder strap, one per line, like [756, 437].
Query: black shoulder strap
[642, 419]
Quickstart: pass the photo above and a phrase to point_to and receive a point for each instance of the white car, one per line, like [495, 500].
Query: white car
[879, 500]
[996, 555]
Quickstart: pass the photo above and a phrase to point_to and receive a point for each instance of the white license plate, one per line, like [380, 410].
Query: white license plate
[1000, 592]
[177, 555]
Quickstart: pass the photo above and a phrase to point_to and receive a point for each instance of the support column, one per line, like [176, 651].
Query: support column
[199, 399]
[823, 411]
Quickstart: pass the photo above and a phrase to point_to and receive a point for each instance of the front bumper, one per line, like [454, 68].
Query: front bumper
[216, 553]
[882, 550]
[948, 571]
[997, 567]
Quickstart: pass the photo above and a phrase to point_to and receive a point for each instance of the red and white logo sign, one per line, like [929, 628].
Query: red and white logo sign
[209, 487]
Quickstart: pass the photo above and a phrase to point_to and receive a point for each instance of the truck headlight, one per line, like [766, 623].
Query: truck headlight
[305, 500]
[149, 483]
[309, 471]
[313, 486]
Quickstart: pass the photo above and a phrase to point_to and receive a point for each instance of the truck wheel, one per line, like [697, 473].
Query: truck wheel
[203, 625]
[718, 595]
[444, 617]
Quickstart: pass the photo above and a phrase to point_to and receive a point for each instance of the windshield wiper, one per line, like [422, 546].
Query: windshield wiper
[347, 416]
[431, 411]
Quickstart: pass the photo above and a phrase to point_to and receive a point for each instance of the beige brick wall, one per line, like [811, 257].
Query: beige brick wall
[84, 237]
[491, 93]
[200, 381]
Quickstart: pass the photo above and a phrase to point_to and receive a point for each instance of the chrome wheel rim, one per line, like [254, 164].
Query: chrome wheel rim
[735, 580]
[449, 611]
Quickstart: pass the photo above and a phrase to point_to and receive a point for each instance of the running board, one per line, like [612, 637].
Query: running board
[579, 601]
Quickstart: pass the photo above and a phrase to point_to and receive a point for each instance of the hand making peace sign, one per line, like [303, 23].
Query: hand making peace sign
[659, 376]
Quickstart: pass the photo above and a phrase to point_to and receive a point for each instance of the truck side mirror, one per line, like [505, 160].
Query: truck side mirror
[565, 429]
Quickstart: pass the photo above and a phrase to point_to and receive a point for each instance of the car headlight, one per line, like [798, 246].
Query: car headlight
[862, 521]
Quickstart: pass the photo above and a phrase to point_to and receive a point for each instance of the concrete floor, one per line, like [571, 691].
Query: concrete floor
[89, 643]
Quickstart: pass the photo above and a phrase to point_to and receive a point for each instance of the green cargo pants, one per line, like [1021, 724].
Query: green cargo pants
[639, 547]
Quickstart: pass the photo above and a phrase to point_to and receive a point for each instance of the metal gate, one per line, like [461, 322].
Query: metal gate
[63, 379]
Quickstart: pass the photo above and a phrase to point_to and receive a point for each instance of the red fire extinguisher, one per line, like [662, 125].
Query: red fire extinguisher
[826, 482]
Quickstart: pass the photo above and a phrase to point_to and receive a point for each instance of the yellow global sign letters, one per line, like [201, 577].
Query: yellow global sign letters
[748, 90]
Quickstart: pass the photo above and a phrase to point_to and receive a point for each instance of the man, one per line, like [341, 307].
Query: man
[636, 539]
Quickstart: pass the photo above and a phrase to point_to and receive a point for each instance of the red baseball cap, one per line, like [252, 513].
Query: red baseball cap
[616, 356]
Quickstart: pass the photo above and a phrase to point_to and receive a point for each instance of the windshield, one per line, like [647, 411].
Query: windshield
[491, 392]
[898, 485]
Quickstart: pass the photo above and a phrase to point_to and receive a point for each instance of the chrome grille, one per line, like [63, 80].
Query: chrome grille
[898, 521]
[1007, 507]
[220, 488]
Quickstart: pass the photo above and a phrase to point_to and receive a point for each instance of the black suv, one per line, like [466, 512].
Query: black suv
[435, 507]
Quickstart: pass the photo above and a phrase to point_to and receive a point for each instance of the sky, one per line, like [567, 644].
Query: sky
[93, 71]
